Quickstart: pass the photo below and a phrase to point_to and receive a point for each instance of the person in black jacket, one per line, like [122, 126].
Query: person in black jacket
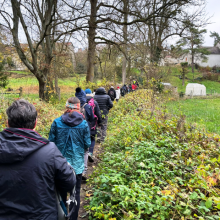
[105, 104]
[30, 168]
[112, 93]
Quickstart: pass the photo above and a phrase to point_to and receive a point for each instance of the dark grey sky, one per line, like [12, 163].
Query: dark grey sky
[213, 9]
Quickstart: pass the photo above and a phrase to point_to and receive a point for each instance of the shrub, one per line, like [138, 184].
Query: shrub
[155, 166]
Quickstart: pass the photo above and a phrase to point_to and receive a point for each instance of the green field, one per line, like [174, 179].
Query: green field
[32, 81]
[204, 112]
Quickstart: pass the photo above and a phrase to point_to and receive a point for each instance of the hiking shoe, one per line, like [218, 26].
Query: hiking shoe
[91, 158]
[98, 140]
[84, 177]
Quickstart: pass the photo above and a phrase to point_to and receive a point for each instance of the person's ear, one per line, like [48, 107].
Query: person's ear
[35, 124]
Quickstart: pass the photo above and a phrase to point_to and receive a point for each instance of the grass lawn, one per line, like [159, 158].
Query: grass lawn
[20, 72]
[204, 112]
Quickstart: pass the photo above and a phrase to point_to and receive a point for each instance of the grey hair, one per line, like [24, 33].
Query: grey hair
[21, 114]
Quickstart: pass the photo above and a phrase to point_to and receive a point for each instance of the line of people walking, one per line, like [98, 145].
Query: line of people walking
[125, 89]
[33, 169]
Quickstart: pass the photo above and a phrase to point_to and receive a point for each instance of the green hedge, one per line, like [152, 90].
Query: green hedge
[154, 166]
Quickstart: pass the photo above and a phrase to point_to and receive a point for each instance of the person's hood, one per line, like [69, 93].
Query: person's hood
[81, 96]
[73, 119]
[88, 97]
[100, 91]
[17, 143]
[112, 89]
[81, 93]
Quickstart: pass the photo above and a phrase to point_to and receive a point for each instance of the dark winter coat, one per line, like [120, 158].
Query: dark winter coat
[104, 100]
[112, 94]
[30, 166]
[98, 114]
[81, 96]
[71, 134]
[125, 88]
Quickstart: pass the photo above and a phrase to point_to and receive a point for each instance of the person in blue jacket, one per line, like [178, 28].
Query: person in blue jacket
[71, 134]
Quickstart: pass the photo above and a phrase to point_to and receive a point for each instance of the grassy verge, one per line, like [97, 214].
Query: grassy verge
[155, 166]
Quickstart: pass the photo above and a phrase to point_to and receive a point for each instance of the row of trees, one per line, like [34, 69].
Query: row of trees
[44, 23]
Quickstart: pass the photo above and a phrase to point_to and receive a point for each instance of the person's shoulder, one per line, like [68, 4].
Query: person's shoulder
[57, 119]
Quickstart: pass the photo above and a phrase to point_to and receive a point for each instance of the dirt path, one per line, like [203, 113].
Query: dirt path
[85, 189]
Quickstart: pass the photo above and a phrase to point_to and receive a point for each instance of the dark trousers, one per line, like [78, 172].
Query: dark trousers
[102, 131]
[74, 216]
[91, 148]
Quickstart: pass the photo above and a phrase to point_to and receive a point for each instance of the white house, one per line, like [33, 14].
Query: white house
[213, 58]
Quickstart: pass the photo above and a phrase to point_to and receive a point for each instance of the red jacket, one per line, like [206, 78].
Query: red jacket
[134, 87]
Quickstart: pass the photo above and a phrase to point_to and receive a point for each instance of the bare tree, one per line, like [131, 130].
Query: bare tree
[125, 36]
[109, 21]
[41, 24]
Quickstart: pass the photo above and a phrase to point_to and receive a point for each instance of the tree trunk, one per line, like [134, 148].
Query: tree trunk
[91, 42]
[56, 86]
[125, 36]
[124, 64]
[193, 65]
[42, 89]
[183, 82]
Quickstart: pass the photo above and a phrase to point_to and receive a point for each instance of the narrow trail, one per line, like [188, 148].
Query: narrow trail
[85, 188]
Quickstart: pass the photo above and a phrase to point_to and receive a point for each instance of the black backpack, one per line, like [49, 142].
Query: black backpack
[122, 92]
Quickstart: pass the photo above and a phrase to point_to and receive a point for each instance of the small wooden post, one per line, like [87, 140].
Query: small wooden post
[21, 92]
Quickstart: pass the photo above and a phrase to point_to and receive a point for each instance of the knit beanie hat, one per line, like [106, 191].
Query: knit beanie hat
[88, 91]
[73, 103]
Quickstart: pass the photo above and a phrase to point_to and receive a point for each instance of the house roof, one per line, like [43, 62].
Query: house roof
[213, 50]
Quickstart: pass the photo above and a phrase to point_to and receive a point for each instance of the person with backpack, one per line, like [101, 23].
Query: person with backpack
[122, 92]
[32, 168]
[112, 93]
[117, 93]
[71, 134]
[125, 89]
[95, 123]
[130, 88]
[87, 112]
[105, 104]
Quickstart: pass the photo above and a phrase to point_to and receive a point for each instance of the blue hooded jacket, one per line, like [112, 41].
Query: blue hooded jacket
[72, 136]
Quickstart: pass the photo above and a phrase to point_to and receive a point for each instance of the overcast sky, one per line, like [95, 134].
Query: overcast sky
[213, 9]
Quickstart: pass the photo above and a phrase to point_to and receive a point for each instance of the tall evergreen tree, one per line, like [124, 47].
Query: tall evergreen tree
[216, 37]
[192, 44]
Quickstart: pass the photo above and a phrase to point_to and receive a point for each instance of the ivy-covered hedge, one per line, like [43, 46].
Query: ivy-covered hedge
[154, 166]
[46, 114]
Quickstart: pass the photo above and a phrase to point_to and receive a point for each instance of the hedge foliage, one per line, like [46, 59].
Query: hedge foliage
[155, 166]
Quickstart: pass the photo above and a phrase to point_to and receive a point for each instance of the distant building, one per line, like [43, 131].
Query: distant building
[213, 58]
